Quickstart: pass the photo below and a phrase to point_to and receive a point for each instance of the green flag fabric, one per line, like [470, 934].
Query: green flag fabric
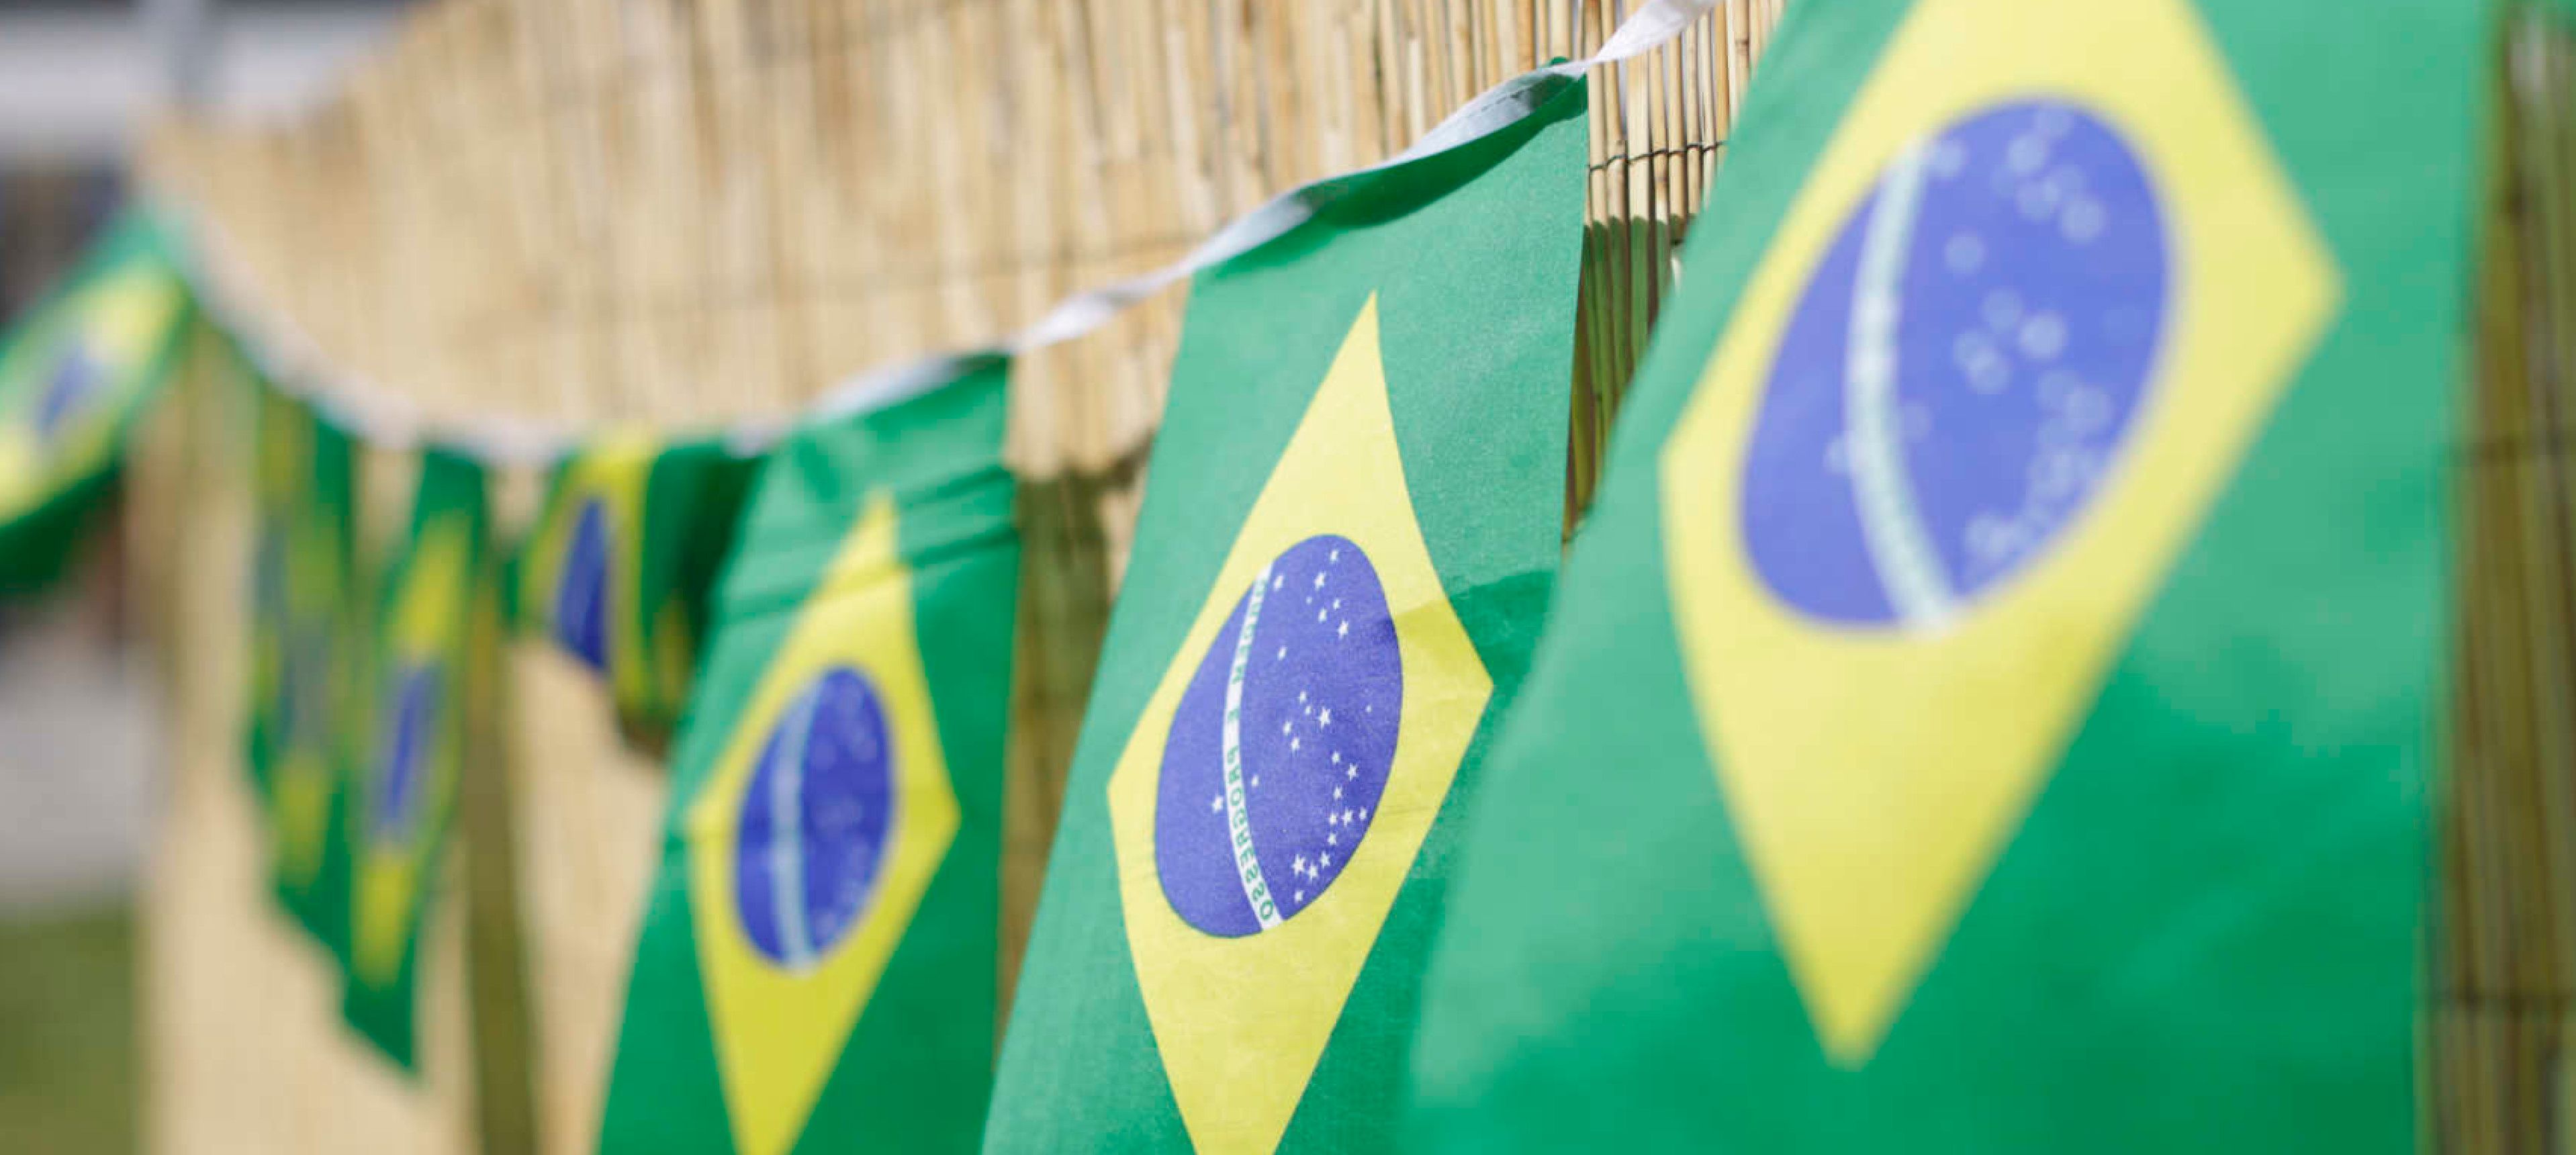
[1990, 708]
[305, 616]
[1352, 525]
[817, 967]
[430, 673]
[617, 568]
[73, 374]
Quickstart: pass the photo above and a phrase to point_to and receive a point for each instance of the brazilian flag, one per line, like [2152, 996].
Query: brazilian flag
[73, 374]
[1349, 537]
[305, 661]
[1990, 710]
[426, 702]
[617, 567]
[817, 966]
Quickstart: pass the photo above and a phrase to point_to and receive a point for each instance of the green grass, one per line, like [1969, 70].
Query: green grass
[67, 1033]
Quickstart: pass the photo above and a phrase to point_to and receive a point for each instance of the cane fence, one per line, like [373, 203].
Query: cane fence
[2502, 960]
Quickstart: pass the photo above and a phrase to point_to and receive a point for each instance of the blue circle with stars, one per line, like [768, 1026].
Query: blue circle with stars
[268, 570]
[581, 597]
[306, 643]
[1962, 369]
[815, 820]
[412, 719]
[305, 669]
[1279, 751]
[76, 378]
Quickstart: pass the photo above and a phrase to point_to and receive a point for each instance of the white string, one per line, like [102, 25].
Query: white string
[382, 417]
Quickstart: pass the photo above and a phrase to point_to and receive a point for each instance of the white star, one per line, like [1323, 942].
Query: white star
[1216, 805]
[1328, 860]
[1337, 603]
[1332, 840]
[1337, 795]
[1278, 580]
[1364, 814]
[1296, 743]
[1256, 782]
[1354, 771]
[1343, 632]
[1336, 556]
[1319, 579]
[1325, 718]
[1319, 615]
[1301, 695]
[1283, 654]
[1299, 865]
[1283, 726]
[1301, 897]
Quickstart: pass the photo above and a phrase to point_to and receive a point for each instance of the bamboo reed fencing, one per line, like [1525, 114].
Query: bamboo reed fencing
[679, 212]
[2502, 959]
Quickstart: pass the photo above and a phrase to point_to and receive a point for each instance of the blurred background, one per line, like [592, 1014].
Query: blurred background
[79, 733]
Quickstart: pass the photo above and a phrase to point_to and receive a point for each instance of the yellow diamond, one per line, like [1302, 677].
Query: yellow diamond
[787, 972]
[1878, 742]
[1241, 1011]
[428, 628]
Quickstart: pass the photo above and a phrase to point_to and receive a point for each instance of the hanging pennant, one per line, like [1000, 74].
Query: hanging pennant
[73, 374]
[1353, 520]
[304, 638]
[427, 706]
[819, 957]
[617, 568]
[1990, 710]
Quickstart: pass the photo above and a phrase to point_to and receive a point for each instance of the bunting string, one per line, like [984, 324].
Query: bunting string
[288, 358]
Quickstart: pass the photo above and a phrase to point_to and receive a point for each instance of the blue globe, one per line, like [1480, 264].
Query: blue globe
[411, 720]
[305, 673]
[1280, 747]
[76, 377]
[271, 610]
[1962, 369]
[268, 568]
[581, 596]
[815, 820]
[307, 644]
